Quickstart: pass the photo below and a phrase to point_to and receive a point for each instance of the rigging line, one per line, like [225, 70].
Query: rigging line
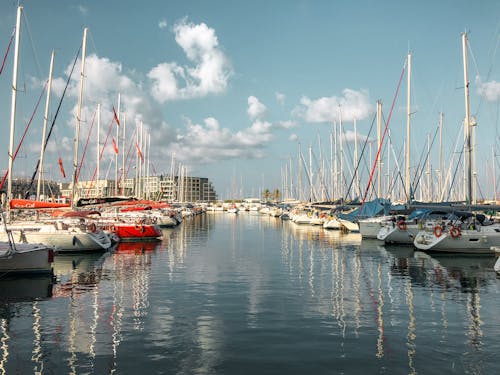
[449, 169]
[131, 143]
[55, 117]
[459, 163]
[481, 97]
[385, 131]
[100, 154]
[37, 63]
[360, 156]
[397, 171]
[86, 144]
[7, 50]
[421, 166]
[24, 135]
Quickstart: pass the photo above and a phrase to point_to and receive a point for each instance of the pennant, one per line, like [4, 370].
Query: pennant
[139, 152]
[115, 147]
[61, 167]
[116, 117]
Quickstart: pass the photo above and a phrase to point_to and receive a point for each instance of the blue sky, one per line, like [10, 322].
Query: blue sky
[232, 87]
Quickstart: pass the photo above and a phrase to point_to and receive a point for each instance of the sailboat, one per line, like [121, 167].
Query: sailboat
[474, 234]
[67, 235]
[20, 258]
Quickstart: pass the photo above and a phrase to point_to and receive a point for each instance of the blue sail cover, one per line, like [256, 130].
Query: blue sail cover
[376, 207]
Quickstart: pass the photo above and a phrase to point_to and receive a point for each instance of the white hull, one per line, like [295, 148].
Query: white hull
[395, 235]
[470, 241]
[349, 225]
[369, 228]
[331, 223]
[27, 258]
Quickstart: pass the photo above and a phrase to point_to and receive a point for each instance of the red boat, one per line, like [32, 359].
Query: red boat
[136, 232]
[20, 204]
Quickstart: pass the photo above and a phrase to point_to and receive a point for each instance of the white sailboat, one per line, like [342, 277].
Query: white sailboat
[474, 235]
[64, 236]
[17, 258]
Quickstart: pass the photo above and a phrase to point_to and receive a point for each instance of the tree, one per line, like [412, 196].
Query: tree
[266, 194]
[276, 195]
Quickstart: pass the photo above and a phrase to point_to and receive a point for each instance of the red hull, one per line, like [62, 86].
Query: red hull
[30, 204]
[140, 232]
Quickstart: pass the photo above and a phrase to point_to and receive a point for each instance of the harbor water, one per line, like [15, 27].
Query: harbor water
[251, 294]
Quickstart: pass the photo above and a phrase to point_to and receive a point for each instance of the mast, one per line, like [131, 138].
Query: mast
[300, 173]
[429, 190]
[440, 173]
[117, 143]
[468, 149]
[358, 184]
[341, 133]
[78, 121]
[123, 153]
[13, 110]
[408, 115]
[98, 170]
[147, 165]
[311, 194]
[494, 174]
[44, 130]
[379, 147]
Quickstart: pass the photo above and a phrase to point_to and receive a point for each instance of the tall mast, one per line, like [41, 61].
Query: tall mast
[440, 173]
[429, 190]
[379, 147]
[494, 174]
[13, 110]
[341, 187]
[147, 165]
[78, 121]
[123, 153]
[98, 171]
[311, 194]
[356, 161]
[408, 143]
[117, 143]
[468, 149]
[44, 130]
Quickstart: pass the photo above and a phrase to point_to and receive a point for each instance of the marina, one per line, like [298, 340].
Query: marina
[235, 201]
[251, 293]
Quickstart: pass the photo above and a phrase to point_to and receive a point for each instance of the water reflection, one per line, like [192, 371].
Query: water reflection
[252, 294]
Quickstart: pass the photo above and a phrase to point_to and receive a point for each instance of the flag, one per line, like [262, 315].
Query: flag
[61, 167]
[116, 117]
[115, 147]
[139, 152]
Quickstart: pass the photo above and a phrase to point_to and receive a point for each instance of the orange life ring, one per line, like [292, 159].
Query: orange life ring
[438, 230]
[455, 232]
[402, 225]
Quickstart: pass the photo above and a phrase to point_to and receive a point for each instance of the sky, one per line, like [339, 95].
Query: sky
[230, 89]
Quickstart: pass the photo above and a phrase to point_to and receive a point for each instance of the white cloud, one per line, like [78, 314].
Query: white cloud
[83, 10]
[489, 90]
[280, 98]
[293, 137]
[255, 108]
[209, 75]
[162, 24]
[286, 124]
[209, 142]
[349, 137]
[352, 104]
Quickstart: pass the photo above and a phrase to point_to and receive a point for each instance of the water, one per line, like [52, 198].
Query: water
[247, 294]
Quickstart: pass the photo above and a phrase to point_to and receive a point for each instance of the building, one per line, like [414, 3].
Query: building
[165, 188]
